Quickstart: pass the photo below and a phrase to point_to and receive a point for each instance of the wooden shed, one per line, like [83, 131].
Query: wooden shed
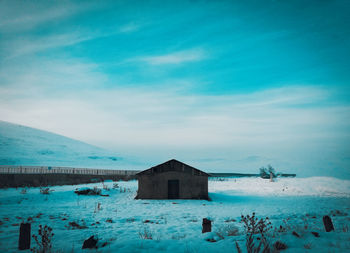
[172, 180]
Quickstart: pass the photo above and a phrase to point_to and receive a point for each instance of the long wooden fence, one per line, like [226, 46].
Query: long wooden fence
[62, 170]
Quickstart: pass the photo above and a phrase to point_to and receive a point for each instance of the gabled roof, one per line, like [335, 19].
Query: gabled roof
[174, 165]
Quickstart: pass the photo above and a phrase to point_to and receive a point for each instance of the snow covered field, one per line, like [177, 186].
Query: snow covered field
[297, 204]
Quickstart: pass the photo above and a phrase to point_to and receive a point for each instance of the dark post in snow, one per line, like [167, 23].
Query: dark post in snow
[206, 225]
[328, 224]
[24, 236]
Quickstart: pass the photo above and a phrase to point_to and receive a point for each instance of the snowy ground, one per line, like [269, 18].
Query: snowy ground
[298, 204]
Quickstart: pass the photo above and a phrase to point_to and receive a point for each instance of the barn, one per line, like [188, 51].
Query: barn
[172, 180]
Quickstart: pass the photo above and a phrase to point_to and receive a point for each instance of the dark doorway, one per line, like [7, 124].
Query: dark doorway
[173, 189]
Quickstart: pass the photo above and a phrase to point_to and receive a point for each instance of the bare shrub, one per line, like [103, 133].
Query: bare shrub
[88, 191]
[238, 248]
[308, 246]
[96, 190]
[45, 190]
[43, 240]
[256, 230]
[75, 225]
[337, 213]
[279, 246]
[227, 230]
[286, 224]
[178, 236]
[130, 219]
[97, 207]
[306, 222]
[24, 191]
[115, 186]
[145, 233]
[345, 228]
[105, 187]
[230, 220]
[232, 230]
[281, 229]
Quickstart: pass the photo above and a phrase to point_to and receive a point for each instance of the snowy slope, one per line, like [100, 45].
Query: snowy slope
[21, 145]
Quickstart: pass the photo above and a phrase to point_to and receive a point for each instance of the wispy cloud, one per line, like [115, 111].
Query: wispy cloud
[39, 77]
[131, 27]
[269, 123]
[25, 15]
[25, 46]
[29, 45]
[175, 57]
[24, 26]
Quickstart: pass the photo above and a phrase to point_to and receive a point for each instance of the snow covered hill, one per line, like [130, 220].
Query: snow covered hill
[21, 145]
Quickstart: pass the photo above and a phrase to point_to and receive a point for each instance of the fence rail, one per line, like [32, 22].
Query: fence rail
[62, 170]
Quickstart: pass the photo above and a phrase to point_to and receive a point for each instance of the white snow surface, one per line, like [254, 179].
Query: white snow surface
[311, 186]
[298, 204]
[21, 145]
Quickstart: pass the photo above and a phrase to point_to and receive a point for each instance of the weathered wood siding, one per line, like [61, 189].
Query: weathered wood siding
[156, 186]
[153, 183]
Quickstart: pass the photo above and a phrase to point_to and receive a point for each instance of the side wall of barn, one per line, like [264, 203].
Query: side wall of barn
[155, 186]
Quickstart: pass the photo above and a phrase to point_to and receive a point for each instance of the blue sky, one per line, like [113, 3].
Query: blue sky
[222, 85]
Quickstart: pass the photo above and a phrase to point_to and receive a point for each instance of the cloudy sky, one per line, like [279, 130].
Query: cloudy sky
[221, 85]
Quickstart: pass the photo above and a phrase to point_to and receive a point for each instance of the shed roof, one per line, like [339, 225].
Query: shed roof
[173, 165]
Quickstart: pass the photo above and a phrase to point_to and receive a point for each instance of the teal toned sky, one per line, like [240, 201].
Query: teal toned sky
[221, 85]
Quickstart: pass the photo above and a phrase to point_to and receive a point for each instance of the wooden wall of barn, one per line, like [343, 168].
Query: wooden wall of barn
[155, 186]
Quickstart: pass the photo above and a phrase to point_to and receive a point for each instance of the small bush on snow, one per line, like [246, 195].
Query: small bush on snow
[88, 191]
[237, 247]
[345, 228]
[105, 187]
[253, 227]
[279, 246]
[178, 236]
[43, 240]
[227, 230]
[75, 225]
[308, 246]
[145, 233]
[45, 191]
[97, 207]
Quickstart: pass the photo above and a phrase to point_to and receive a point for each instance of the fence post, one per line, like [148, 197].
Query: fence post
[24, 236]
[206, 225]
